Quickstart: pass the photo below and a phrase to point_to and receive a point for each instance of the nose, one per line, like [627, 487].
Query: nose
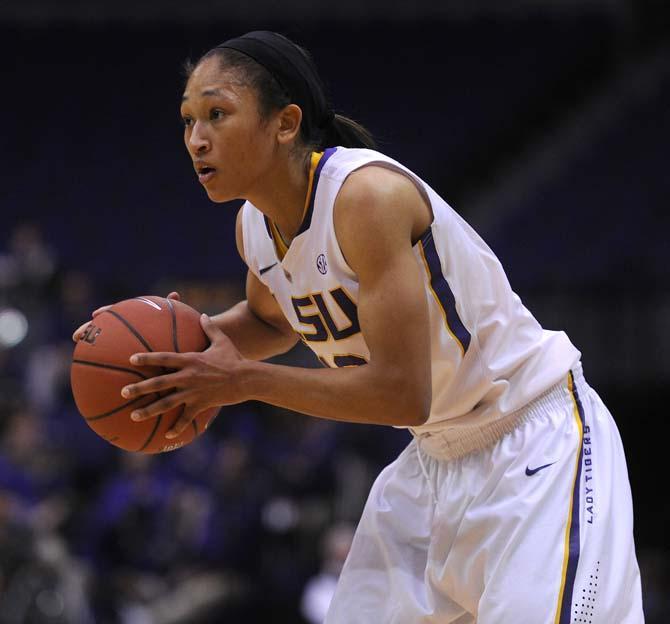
[198, 142]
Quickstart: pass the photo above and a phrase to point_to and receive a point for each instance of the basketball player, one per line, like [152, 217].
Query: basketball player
[512, 504]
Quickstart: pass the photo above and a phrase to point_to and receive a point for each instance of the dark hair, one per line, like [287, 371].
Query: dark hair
[272, 97]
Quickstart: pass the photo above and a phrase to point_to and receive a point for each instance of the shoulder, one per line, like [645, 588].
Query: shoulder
[383, 200]
[239, 232]
[250, 228]
[374, 182]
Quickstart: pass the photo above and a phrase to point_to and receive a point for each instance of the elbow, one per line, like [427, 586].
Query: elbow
[289, 339]
[284, 338]
[413, 408]
[421, 412]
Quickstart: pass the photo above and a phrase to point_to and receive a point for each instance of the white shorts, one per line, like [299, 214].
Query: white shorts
[537, 529]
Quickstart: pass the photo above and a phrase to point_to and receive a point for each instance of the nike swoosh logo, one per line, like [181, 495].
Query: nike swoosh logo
[531, 471]
[267, 268]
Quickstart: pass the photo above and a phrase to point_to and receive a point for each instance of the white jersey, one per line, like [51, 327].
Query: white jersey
[489, 356]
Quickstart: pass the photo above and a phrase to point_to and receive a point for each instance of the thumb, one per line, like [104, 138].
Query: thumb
[79, 332]
[210, 328]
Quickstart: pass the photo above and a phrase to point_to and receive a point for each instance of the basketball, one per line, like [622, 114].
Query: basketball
[101, 368]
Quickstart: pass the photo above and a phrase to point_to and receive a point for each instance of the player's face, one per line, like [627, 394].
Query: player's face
[230, 145]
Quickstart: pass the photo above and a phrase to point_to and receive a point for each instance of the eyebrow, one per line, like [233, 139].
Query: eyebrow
[207, 93]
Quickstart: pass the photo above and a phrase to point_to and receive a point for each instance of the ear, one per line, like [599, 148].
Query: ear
[289, 124]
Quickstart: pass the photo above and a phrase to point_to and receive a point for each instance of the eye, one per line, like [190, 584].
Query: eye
[216, 114]
[187, 121]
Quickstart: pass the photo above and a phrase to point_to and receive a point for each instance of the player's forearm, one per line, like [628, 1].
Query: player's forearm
[362, 394]
[253, 337]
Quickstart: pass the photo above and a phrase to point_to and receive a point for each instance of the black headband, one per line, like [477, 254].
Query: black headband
[293, 70]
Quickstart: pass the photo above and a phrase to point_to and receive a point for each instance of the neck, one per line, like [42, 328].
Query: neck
[282, 195]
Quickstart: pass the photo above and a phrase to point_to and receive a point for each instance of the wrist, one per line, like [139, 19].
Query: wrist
[249, 375]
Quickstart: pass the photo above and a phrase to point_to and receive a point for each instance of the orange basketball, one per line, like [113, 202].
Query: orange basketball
[101, 368]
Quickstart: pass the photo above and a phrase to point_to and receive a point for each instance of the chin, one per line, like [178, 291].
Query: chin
[218, 197]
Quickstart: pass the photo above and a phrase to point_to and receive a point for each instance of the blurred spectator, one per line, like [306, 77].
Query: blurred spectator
[40, 582]
[319, 589]
[29, 265]
[28, 272]
[29, 468]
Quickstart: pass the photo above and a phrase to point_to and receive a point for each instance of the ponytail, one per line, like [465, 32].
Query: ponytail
[346, 132]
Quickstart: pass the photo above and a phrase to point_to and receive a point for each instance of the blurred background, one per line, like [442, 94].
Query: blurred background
[545, 123]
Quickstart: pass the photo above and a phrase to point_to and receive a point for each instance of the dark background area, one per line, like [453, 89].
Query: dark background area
[545, 124]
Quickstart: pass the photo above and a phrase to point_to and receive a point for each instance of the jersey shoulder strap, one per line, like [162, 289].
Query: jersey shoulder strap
[259, 252]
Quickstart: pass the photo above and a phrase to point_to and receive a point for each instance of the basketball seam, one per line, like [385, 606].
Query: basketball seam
[175, 343]
[177, 417]
[173, 313]
[152, 434]
[110, 366]
[115, 410]
[131, 329]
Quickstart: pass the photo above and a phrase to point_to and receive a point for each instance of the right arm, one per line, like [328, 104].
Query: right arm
[256, 326]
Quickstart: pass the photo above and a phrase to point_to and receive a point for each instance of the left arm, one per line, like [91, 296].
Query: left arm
[378, 214]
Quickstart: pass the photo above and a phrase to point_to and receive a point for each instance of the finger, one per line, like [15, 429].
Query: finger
[155, 384]
[158, 407]
[168, 360]
[79, 332]
[210, 328]
[174, 295]
[184, 420]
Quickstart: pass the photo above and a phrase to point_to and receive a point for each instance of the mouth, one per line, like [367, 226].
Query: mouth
[205, 174]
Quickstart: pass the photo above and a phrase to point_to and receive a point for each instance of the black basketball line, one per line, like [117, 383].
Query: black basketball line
[175, 340]
[115, 410]
[111, 367]
[131, 329]
[177, 417]
[153, 433]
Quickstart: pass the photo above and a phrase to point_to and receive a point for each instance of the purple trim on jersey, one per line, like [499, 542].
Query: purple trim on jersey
[441, 289]
[267, 226]
[307, 221]
[574, 545]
